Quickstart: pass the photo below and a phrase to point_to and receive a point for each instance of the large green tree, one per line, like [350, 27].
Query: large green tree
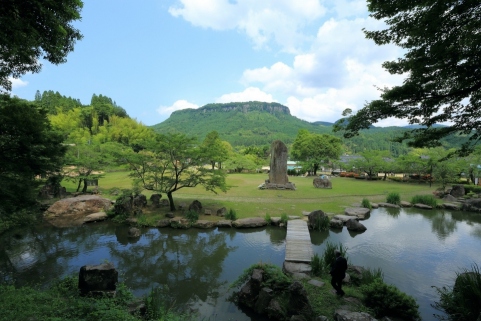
[442, 63]
[314, 149]
[32, 30]
[173, 162]
[29, 148]
[215, 150]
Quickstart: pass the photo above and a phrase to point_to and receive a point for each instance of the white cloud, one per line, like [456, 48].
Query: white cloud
[17, 83]
[250, 94]
[281, 21]
[178, 105]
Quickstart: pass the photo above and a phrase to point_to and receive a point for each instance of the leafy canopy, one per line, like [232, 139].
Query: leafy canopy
[33, 30]
[442, 64]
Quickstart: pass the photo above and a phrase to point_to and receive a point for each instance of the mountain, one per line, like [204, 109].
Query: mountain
[245, 123]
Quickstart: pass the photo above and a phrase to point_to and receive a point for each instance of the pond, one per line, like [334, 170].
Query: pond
[415, 249]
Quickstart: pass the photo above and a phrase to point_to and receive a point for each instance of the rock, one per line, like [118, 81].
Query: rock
[321, 318]
[457, 191]
[342, 218]
[164, 203]
[451, 206]
[314, 217]
[132, 220]
[140, 200]
[207, 212]
[297, 318]
[180, 223]
[155, 199]
[221, 211]
[162, 223]
[374, 205]
[358, 212]
[100, 216]
[294, 217]
[336, 223]
[195, 206]
[354, 225]
[293, 267]
[449, 198]
[169, 215]
[298, 301]
[278, 163]
[388, 205]
[322, 183]
[275, 221]
[316, 283]
[182, 206]
[422, 206]
[275, 310]
[224, 223]
[247, 295]
[249, 222]
[300, 276]
[472, 205]
[133, 232]
[265, 297]
[405, 204]
[344, 315]
[204, 224]
[96, 279]
[305, 213]
[73, 210]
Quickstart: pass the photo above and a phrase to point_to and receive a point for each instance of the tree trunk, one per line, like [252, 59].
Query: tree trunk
[171, 201]
[79, 183]
[316, 167]
[84, 190]
[213, 165]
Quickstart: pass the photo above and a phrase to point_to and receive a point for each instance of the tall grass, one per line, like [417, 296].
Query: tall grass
[231, 215]
[321, 265]
[393, 198]
[429, 200]
[366, 203]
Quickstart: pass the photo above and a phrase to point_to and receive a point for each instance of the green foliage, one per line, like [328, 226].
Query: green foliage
[273, 276]
[463, 301]
[192, 216]
[393, 198]
[429, 200]
[317, 266]
[33, 31]
[366, 203]
[231, 215]
[321, 223]
[329, 255]
[284, 218]
[161, 307]
[472, 188]
[267, 218]
[387, 300]
[369, 275]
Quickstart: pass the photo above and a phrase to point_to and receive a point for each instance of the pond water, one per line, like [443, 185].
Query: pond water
[415, 249]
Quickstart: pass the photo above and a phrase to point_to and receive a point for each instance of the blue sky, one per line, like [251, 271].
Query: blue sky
[156, 56]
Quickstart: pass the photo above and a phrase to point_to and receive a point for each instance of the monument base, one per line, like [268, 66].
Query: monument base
[267, 185]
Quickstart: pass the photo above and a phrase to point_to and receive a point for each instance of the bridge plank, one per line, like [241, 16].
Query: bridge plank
[298, 242]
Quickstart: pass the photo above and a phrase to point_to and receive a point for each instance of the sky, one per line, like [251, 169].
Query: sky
[153, 57]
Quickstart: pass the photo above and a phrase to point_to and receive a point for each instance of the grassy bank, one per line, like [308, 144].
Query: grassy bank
[248, 201]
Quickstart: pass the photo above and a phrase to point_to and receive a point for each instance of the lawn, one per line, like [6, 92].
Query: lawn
[248, 201]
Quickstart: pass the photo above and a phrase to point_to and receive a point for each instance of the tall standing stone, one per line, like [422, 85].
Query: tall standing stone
[278, 171]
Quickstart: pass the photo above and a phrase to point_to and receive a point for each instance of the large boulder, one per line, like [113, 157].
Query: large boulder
[249, 222]
[73, 210]
[319, 182]
[344, 315]
[221, 211]
[358, 212]
[472, 205]
[195, 206]
[457, 191]
[224, 223]
[336, 223]
[314, 218]
[388, 205]
[95, 217]
[298, 303]
[98, 279]
[155, 199]
[423, 206]
[354, 225]
[140, 200]
[278, 164]
[204, 224]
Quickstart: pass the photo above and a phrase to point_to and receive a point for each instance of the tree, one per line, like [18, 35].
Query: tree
[314, 149]
[172, 163]
[28, 148]
[87, 161]
[214, 150]
[442, 64]
[373, 162]
[33, 30]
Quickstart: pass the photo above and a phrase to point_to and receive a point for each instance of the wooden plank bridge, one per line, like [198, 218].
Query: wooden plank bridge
[298, 242]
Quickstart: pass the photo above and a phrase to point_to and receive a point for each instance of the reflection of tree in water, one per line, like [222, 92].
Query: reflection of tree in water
[443, 224]
[394, 212]
[36, 255]
[277, 235]
[188, 262]
[318, 237]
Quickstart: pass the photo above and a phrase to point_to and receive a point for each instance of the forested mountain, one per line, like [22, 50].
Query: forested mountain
[259, 123]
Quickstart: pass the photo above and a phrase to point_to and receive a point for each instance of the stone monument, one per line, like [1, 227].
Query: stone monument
[278, 168]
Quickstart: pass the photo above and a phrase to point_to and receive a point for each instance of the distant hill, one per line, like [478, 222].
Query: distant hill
[245, 123]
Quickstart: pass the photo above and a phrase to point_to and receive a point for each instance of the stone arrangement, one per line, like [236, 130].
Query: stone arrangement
[278, 178]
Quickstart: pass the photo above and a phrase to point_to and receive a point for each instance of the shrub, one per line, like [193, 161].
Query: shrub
[192, 216]
[370, 275]
[463, 301]
[267, 218]
[425, 199]
[393, 198]
[317, 266]
[273, 276]
[472, 188]
[231, 215]
[387, 300]
[365, 203]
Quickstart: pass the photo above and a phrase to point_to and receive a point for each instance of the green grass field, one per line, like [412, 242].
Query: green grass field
[248, 201]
